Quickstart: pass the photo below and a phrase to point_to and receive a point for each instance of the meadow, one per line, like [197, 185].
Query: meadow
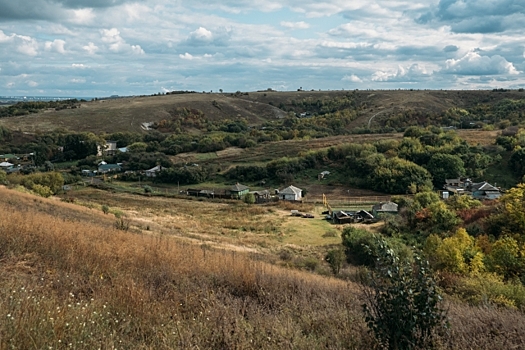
[70, 279]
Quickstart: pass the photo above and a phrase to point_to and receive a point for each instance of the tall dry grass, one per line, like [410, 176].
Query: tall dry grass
[76, 282]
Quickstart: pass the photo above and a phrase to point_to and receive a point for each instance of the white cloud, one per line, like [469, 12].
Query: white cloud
[28, 47]
[82, 16]
[352, 78]
[475, 64]
[295, 25]
[187, 56]
[90, 48]
[56, 45]
[78, 65]
[412, 73]
[137, 50]
[117, 44]
[32, 84]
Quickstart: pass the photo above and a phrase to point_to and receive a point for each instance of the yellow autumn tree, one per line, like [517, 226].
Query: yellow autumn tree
[457, 254]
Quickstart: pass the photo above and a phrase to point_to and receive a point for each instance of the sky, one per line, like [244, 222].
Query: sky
[97, 48]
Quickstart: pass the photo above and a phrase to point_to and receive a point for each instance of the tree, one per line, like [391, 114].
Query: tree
[456, 254]
[445, 166]
[517, 162]
[402, 302]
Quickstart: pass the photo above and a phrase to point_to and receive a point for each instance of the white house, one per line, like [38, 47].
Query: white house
[291, 193]
[153, 171]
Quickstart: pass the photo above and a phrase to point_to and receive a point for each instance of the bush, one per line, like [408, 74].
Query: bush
[335, 257]
[402, 303]
[360, 247]
[42, 191]
[249, 198]
[105, 209]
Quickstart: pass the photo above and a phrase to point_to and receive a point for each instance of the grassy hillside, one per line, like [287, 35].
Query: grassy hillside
[127, 114]
[69, 279]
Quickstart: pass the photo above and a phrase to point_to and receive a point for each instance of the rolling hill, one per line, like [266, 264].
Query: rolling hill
[372, 107]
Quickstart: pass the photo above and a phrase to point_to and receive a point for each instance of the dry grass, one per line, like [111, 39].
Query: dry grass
[73, 282]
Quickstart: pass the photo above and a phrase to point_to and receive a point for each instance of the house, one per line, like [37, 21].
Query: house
[107, 168]
[458, 182]
[261, 194]
[6, 166]
[291, 193]
[8, 157]
[238, 190]
[87, 172]
[153, 171]
[385, 207]
[484, 190]
[110, 148]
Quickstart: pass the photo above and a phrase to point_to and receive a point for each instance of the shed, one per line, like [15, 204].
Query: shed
[238, 190]
[107, 168]
[291, 193]
[153, 171]
[385, 207]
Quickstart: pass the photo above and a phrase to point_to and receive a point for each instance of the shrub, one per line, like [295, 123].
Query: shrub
[335, 257]
[249, 198]
[105, 209]
[122, 224]
[402, 303]
[42, 191]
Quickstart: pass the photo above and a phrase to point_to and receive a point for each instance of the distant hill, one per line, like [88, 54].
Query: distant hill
[373, 108]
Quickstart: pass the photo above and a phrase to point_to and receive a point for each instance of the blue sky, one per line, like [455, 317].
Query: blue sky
[105, 47]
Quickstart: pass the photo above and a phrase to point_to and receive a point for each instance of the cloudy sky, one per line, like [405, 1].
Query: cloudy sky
[103, 47]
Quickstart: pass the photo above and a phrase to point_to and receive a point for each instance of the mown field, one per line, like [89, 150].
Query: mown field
[70, 279]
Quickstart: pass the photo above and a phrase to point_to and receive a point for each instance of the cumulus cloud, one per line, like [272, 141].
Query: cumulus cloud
[203, 37]
[475, 64]
[117, 44]
[295, 25]
[352, 78]
[91, 48]
[412, 73]
[56, 45]
[186, 56]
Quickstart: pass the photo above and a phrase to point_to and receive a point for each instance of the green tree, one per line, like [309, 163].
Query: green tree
[445, 166]
[507, 258]
[402, 302]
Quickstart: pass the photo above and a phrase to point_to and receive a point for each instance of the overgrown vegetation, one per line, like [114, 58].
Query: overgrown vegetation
[69, 279]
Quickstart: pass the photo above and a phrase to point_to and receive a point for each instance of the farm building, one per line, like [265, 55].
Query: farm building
[108, 168]
[385, 207]
[484, 190]
[291, 193]
[238, 190]
[153, 171]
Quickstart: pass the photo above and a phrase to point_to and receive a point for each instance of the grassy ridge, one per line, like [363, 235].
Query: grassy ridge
[70, 280]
